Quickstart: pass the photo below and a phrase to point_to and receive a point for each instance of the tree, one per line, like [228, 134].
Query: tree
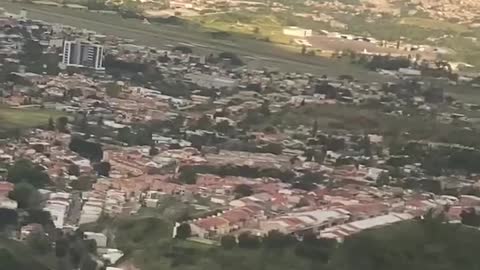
[144, 136]
[51, 124]
[308, 153]
[83, 125]
[188, 176]
[273, 148]
[73, 169]
[276, 239]
[25, 171]
[314, 129]
[32, 51]
[86, 149]
[83, 183]
[153, 151]
[234, 59]
[383, 179]
[264, 108]
[100, 121]
[39, 216]
[88, 263]
[248, 240]
[125, 135]
[228, 241]
[204, 123]
[319, 156]
[39, 243]
[103, 168]
[316, 249]
[470, 217]
[308, 181]
[91, 246]
[243, 190]
[223, 127]
[366, 145]
[62, 123]
[61, 248]
[183, 49]
[304, 50]
[113, 90]
[25, 195]
[183, 231]
[8, 217]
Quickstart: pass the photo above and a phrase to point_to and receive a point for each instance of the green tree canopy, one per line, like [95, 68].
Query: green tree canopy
[25, 171]
[25, 195]
[184, 231]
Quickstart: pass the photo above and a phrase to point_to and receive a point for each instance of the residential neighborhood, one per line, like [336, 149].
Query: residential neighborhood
[131, 130]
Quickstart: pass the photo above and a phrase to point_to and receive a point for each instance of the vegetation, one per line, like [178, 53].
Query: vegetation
[87, 149]
[418, 244]
[25, 195]
[11, 118]
[14, 255]
[113, 89]
[25, 171]
[151, 35]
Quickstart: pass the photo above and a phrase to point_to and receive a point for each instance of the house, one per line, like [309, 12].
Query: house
[227, 222]
[339, 232]
[99, 238]
[5, 188]
[315, 220]
[295, 31]
[29, 229]
[8, 203]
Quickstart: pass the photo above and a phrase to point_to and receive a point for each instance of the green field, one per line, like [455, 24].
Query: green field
[24, 118]
[251, 24]
[434, 24]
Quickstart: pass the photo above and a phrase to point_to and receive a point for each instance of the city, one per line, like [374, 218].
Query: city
[111, 150]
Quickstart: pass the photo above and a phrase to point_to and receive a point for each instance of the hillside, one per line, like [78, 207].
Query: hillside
[15, 255]
[414, 245]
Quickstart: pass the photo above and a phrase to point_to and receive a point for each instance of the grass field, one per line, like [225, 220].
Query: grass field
[434, 24]
[24, 118]
[251, 24]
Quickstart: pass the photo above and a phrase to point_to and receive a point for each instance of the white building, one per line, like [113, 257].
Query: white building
[100, 238]
[83, 54]
[58, 213]
[8, 203]
[295, 31]
[211, 81]
[91, 210]
[341, 231]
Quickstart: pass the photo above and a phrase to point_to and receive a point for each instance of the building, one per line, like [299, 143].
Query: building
[315, 220]
[99, 238]
[80, 53]
[341, 231]
[227, 221]
[297, 31]
[211, 81]
[8, 203]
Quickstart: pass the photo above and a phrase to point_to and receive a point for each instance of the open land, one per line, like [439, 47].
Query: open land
[24, 118]
[264, 54]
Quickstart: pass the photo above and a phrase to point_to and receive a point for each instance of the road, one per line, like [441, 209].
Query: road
[161, 35]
